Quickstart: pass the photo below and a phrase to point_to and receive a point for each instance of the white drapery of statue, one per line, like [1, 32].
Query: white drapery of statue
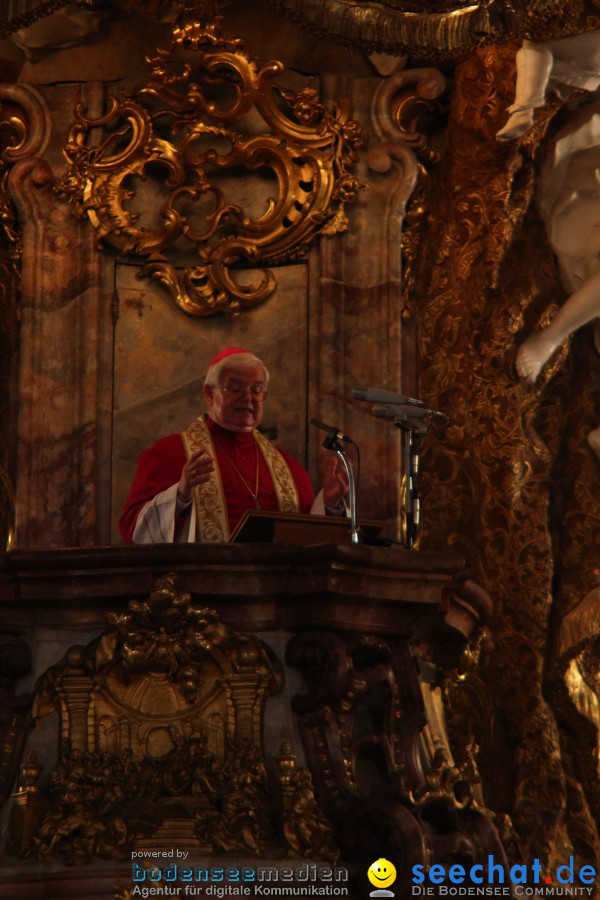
[568, 189]
[561, 66]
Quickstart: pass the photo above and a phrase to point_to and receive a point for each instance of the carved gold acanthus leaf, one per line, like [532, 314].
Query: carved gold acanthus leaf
[189, 131]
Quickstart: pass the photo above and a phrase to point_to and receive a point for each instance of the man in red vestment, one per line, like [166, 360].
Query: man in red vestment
[196, 486]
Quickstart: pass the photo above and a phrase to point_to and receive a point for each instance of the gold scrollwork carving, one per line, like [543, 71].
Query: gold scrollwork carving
[161, 738]
[193, 126]
[505, 461]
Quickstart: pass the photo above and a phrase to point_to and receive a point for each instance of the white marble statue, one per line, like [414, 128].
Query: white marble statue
[563, 66]
[568, 192]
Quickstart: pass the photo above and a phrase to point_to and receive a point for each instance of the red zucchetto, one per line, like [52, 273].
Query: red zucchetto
[228, 351]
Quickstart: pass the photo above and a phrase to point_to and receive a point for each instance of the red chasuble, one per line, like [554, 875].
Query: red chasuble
[160, 466]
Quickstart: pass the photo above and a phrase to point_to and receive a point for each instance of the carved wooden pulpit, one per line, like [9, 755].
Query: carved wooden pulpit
[202, 673]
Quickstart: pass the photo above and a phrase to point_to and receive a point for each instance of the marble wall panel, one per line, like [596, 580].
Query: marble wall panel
[161, 357]
[65, 350]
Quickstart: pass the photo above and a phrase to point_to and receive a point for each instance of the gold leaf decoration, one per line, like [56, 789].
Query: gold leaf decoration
[191, 129]
[161, 738]
[512, 482]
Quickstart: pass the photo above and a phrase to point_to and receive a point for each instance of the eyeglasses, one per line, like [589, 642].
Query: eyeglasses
[237, 390]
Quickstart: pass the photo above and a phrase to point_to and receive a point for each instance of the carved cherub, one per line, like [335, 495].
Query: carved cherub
[564, 66]
[308, 833]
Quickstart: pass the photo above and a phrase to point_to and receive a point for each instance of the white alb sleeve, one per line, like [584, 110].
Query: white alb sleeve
[318, 507]
[156, 521]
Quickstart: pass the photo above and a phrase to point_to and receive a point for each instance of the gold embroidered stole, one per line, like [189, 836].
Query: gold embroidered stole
[210, 507]
[285, 486]
[210, 504]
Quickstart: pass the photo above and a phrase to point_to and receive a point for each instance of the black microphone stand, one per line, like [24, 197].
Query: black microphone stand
[331, 442]
[408, 414]
[412, 510]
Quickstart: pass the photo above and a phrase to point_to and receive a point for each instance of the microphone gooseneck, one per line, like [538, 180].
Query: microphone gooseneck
[332, 442]
[374, 395]
[332, 432]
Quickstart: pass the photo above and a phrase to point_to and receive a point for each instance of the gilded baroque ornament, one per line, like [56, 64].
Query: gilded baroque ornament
[163, 175]
[161, 722]
[514, 480]
[161, 743]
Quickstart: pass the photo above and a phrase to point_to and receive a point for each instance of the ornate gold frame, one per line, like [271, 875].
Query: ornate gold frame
[194, 119]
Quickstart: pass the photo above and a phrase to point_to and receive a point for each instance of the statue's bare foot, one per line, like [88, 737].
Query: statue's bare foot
[594, 441]
[518, 123]
[532, 354]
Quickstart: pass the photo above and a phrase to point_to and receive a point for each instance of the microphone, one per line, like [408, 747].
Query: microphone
[403, 411]
[374, 395]
[332, 433]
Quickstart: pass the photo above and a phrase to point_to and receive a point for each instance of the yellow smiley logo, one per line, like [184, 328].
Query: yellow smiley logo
[382, 873]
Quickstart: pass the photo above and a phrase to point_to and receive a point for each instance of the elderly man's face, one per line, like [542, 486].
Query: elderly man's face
[237, 403]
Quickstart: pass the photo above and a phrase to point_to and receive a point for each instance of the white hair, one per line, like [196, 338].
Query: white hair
[235, 361]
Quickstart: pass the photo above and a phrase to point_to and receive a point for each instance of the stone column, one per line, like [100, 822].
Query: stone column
[65, 378]
[358, 333]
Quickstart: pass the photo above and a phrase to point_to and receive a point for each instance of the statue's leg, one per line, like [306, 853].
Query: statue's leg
[580, 308]
[534, 65]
